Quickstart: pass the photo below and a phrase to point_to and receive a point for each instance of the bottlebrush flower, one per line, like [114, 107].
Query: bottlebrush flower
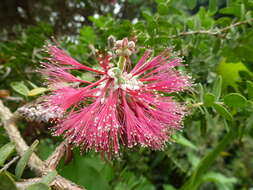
[125, 106]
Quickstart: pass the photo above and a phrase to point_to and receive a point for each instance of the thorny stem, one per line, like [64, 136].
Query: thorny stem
[217, 33]
[35, 163]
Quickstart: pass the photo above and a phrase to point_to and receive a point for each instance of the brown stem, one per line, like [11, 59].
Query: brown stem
[26, 183]
[217, 33]
[54, 159]
[35, 163]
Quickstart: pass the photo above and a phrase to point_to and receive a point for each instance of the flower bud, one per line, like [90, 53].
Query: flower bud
[131, 45]
[124, 42]
[111, 41]
[118, 43]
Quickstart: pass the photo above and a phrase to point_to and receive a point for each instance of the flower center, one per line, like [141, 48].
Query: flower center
[124, 80]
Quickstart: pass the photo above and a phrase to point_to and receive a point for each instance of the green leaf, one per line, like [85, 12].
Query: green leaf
[203, 123]
[195, 179]
[213, 7]
[217, 87]
[108, 172]
[223, 111]
[88, 35]
[250, 89]
[209, 99]
[83, 170]
[233, 10]
[49, 178]
[235, 100]
[160, 1]
[131, 181]
[222, 181]
[216, 46]
[7, 182]
[24, 160]
[180, 139]
[32, 84]
[147, 15]
[206, 21]
[191, 4]
[20, 87]
[168, 187]
[201, 92]
[162, 9]
[37, 91]
[193, 159]
[38, 186]
[230, 73]
[5, 152]
[45, 148]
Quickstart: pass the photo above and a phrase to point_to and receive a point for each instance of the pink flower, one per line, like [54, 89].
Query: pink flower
[124, 107]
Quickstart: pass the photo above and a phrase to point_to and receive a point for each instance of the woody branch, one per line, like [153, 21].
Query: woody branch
[35, 163]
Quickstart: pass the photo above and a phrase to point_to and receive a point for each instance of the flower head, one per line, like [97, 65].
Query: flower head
[128, 105]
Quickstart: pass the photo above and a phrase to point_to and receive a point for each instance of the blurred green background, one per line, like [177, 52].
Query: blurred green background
[215, 37]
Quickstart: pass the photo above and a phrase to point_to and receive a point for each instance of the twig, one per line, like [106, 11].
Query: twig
[217, 33]
[6, 166]
[236, 24]
[195, 105]
[8, 120]
[12, 98]
[205, 32]
[35, 163]
[26, 183]
[54, 159]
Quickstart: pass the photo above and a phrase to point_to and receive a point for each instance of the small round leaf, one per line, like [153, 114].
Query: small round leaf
[209, 99]
[223, 111]
[235, 100]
